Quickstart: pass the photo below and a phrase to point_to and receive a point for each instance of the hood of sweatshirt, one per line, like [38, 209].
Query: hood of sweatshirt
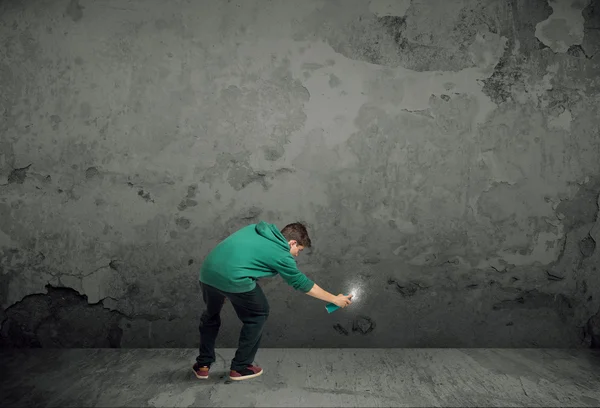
[270, 232]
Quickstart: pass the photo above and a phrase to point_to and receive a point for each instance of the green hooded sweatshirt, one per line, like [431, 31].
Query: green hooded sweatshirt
[253, 252]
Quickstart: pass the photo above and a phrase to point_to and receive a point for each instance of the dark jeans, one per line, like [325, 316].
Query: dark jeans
[251, 307]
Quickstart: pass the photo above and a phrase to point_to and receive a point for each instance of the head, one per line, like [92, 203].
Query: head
[297, 237]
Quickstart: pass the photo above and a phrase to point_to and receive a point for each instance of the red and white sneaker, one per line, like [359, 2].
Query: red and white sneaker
[201, 372]
[250, 371]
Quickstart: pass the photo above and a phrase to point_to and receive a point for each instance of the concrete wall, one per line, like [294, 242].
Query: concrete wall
[444, 155]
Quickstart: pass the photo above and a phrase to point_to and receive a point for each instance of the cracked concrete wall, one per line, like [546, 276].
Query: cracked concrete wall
[444, 156]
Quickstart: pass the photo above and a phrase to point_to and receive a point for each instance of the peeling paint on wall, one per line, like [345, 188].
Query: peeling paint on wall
[564, 27]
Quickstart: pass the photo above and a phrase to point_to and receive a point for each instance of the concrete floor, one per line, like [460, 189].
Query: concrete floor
[304, 377]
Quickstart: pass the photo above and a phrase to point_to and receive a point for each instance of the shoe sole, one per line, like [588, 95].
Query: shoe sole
[246, 377]
[199, 376]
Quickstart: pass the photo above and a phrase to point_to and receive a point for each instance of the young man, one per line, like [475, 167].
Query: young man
[230, 272]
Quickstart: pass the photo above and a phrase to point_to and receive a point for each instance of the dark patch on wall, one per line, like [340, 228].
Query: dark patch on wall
[577, 51]
[363, 325]
[340, 329]
[591, 29]
[591, 16]
[273, 153]
[395, 26]
[522, 19]
[133, 289]
[183, 222]
[145, 195]
[519, 27]
[189, 201]
[471, 18]
[587, 246]
[423, 55]
[91, 172]
[388, 40]
[506, 74]
[581, 209]
[192, 191]
[535, 299]
[186, 203]
[15, 260]
[60, 318]
[74, 10]
[18, 175]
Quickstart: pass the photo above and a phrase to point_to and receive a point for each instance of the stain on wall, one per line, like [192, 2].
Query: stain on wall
[60, 318]
[444, 156]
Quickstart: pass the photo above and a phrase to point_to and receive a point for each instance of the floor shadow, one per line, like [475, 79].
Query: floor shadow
[187, 376]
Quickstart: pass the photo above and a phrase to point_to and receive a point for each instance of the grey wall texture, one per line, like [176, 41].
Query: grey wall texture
[445, 156]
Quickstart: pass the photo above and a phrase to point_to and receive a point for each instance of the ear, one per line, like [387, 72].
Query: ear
[292, 242]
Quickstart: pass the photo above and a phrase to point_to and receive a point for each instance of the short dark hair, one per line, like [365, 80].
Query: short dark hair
[297, 231]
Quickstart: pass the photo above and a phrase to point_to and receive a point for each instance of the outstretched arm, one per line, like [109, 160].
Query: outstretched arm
[319, 293]
[289, 271]
[339, 300]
